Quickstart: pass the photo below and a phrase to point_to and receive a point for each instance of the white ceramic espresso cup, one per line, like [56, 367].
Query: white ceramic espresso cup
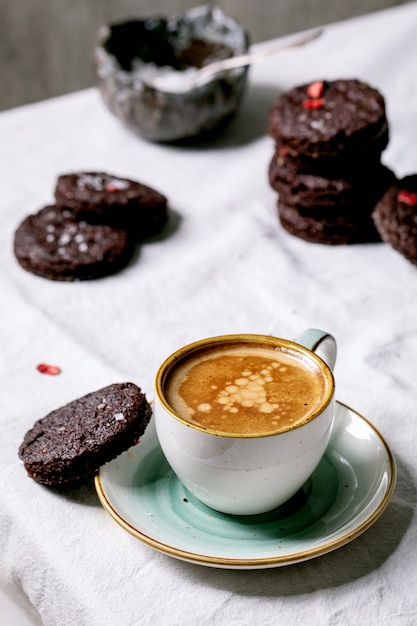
[244, 473]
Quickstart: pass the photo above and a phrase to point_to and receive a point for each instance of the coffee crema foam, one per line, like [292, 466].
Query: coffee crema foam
[247, 389]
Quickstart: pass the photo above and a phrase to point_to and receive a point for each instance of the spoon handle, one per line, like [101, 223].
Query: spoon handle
[255, 56]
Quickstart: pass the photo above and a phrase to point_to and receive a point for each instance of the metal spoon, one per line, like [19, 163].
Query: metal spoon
[185, 81]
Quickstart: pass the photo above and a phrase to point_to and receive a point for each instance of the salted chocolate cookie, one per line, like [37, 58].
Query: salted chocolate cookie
[327, 119]
[352, 187]
[395, 217]
[333, 166]
[101, 198]
[331, 226]
[54, 245]
[69, 445]
[303, 189]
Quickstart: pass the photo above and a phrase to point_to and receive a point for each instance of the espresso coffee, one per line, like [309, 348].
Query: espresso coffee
[246, 389]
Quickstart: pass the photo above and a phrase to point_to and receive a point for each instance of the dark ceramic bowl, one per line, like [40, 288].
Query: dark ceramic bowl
[130, 54]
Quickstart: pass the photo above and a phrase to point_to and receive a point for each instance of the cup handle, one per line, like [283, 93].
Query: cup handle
[320, 342]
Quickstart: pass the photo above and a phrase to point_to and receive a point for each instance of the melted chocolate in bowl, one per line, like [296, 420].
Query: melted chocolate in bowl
[246, 389]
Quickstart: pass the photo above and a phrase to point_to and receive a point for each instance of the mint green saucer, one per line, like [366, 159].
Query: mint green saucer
[346, 494]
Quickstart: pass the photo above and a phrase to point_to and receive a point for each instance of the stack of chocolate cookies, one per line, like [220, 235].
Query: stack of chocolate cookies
[92, 229]
[326, 168]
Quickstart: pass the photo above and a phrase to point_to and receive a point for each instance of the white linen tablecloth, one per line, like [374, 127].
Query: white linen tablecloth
[226, 266]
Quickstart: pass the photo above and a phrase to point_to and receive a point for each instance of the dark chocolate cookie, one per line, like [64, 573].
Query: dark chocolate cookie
[395, 217]
[333, 166]
[331, 226]
[101, 198]
[69, 445]
[326, 119]
[54, 245]
[353, 187]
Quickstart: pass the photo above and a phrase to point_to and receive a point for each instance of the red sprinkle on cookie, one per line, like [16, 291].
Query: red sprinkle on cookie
[316, 89]
[314, 104]
[407, 197]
